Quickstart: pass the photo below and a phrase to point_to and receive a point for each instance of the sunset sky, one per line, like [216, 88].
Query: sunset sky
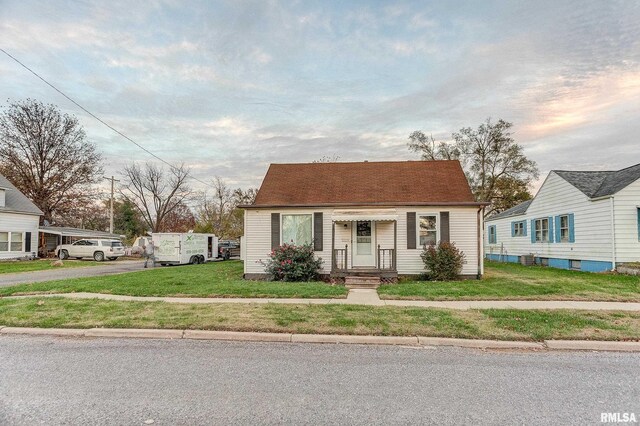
[228, 87]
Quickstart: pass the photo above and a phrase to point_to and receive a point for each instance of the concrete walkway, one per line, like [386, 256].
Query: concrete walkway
[364, 297]
[109, 268]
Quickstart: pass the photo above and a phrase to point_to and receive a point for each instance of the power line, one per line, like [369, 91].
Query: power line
[95, 116]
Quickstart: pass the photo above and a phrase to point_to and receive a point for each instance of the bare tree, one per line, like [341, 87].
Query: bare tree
[219, 213]
[46, 155]
[327, 159]
[155, 192]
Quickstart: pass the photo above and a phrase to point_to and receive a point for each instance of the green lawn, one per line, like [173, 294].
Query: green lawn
[511, 281]
[214, 279]
[15, 266]
[325, 319]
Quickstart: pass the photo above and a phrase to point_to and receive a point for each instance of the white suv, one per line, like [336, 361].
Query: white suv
[97, 249]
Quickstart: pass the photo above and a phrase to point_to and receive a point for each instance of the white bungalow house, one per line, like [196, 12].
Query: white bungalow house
[582, 220]
[365, 218]
[19, 220]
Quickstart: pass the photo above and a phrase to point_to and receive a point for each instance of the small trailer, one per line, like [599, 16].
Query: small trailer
[182, 248]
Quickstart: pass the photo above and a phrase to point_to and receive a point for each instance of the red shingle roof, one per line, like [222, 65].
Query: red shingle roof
[367, 183]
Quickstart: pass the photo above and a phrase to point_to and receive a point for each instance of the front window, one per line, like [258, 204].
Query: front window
[542, 230]
[428, 230]
[16, 241]
[4, 241]
[564, 228]
[80, 243]
[296, 229]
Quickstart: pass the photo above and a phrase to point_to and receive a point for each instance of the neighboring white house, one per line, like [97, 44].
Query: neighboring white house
[368, 217]
[583, 220]
[19, 220]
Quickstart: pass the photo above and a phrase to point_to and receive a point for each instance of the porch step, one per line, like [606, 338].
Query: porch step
[355, 281]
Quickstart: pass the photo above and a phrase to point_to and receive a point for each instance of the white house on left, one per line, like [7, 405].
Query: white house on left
[19, 221]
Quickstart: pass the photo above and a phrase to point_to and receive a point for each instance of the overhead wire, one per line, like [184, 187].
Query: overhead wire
[96, 117]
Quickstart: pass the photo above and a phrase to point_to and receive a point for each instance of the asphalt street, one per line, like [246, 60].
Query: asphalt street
[109, 268]
[56, 380]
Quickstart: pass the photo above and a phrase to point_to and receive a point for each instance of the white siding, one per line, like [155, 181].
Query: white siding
[14, 222]
[463, 232]
[557, 197]
[626, 204]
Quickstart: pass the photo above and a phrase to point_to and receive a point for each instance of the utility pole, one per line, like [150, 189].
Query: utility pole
[113, 180]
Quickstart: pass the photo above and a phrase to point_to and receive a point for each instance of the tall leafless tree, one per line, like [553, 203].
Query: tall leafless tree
[47, 156]
[219, 213]
[155, 191]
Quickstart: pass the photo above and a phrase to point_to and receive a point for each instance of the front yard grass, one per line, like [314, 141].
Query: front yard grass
[16, 266]
[214, 279]
[509, 281]
[325, 319]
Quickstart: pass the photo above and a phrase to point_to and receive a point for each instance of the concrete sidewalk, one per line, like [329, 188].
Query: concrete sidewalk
[588, 345]
[367, 298]
[109, 268]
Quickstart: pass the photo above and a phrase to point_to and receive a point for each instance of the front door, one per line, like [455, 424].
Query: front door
[364, 244]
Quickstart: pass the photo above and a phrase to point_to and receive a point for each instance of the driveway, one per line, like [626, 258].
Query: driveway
[109, 268]
[56, 380]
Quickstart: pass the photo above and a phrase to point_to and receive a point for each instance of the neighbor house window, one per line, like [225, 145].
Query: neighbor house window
[493, 236]
[4, 241]
[16, 241]
[564, 228]
[542, 230]
[296, 229]
[518, 229]
[428, 230]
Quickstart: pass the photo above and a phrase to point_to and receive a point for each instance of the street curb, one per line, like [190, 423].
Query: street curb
[140, 333]
[350, 339]
[240, 336]
[478, 344]
[592, 345]
[43, 331]
[237, 336]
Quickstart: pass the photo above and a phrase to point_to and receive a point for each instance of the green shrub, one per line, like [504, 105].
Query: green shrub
[443, 262]
[293, 263]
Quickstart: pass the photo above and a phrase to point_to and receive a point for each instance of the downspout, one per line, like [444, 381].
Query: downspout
[613, 234]
[480, 245]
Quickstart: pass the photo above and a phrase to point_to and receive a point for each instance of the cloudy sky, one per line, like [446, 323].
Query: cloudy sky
[228, 87]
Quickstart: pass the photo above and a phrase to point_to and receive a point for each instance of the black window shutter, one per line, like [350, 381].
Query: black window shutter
[444, 227]
[411, 230]
[317, 231]
[275, 230]
[27, 242]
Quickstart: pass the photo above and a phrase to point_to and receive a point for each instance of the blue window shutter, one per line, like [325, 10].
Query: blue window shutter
[558, 233]
[550, 229]
[572, 234]
[513, 229]
[524, 227]
[533, 230]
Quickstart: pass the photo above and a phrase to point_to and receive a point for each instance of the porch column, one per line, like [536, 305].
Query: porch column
[333, 239]
[395, 243]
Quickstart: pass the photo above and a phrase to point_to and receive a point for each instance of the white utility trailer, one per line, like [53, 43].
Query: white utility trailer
[181, 248]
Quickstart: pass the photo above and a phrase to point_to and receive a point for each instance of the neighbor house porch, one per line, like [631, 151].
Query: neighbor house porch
[364, 243]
